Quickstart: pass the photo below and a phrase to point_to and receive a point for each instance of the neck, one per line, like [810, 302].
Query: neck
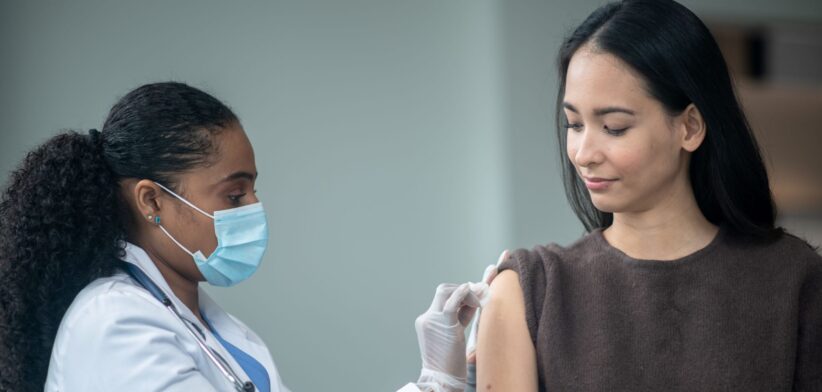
[184, 289]
[672, 229]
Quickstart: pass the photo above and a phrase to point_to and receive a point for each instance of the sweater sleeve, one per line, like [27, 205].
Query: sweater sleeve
[531, 270]
[809, 355]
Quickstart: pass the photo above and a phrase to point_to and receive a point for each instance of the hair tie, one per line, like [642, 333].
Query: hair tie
[95, 137]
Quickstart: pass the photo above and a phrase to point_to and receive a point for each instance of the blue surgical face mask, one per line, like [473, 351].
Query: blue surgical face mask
[242, 236]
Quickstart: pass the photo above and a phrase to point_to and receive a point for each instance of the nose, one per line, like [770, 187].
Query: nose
[587, 149]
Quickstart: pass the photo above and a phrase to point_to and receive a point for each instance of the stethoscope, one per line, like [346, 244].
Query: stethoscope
[138, 275]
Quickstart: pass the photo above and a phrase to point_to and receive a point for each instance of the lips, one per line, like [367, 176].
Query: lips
[598, 183]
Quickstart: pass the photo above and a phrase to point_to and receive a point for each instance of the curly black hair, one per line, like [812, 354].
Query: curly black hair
[63, 221]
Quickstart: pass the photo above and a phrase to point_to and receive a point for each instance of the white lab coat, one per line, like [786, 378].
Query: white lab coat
[116, 336]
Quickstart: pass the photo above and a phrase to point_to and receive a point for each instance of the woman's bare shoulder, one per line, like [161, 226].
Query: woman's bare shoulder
[506, 358]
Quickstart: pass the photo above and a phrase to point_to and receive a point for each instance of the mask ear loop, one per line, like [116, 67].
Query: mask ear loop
[184, 200]
[175, 241]
[157, 218]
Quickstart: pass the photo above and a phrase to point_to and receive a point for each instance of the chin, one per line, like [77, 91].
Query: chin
[606, 204]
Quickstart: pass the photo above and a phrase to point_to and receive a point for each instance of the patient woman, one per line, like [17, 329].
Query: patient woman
[682, 283]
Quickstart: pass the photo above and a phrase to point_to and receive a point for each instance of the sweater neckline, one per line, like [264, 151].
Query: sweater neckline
[699, 254]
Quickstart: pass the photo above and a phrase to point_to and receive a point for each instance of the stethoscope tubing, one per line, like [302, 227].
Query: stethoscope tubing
[141, 278]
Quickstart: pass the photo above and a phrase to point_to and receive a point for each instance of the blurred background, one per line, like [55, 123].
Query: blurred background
[400, 143]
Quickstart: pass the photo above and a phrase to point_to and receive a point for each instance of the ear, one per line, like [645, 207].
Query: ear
[148, 200]
[692, 127]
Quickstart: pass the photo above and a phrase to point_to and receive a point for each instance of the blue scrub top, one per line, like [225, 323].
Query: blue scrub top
[254, 369]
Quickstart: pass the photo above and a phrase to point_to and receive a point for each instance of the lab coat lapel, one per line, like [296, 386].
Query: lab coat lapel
[237, 334]
[137, 256]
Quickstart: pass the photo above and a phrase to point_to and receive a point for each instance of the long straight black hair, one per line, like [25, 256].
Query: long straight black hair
[681, 64]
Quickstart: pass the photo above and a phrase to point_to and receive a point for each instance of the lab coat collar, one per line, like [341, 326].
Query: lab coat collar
[230, 329]
[137, 256]
[221, 321]
[236, 333]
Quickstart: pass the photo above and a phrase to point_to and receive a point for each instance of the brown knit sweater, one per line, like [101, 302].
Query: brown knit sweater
[733, 316]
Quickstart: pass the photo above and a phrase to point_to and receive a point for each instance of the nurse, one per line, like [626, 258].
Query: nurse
[105, 237]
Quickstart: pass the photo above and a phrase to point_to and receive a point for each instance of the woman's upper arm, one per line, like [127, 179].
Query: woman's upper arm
[506, 358]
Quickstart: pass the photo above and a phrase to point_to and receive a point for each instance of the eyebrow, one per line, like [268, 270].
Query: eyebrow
[239, 175]
[601, 111]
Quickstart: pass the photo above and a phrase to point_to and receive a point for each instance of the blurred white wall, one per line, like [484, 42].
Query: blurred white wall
[400, 143]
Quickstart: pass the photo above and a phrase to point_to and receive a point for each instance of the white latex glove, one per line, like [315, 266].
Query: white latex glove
[441, 332]
[441, 335]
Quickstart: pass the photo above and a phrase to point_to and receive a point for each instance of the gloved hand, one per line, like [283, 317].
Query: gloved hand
[441, 334]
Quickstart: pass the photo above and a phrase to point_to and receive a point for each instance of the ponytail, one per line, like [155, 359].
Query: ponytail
[60, 229]
[63, 223]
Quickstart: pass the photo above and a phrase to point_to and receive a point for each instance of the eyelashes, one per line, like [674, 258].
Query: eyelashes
[576, 127]
[615, 132]
[236, 198]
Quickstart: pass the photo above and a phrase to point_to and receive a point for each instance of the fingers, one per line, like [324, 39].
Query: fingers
[482, 291]
[502, 257]
[489, 274]
[471, 358]
[456, 299]
[465, 314]
[476, 293]
[450, 297]
[491, 271]
[442, 294]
